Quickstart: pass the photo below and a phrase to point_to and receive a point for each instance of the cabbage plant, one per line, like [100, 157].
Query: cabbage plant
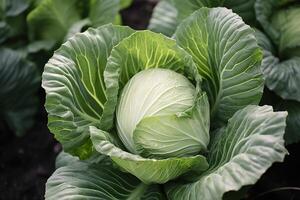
[19, 83]
[53, 21]
[153, 117]
[19, 78]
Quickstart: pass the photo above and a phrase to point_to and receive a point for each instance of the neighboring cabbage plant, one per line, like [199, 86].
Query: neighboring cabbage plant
[53, 21]
[19, 83]
[281, 63]
[161, 118]
[19, 78]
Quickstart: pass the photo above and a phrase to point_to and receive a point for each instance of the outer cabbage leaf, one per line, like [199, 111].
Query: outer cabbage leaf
[164, 18]
[82, 180]
[281, 77]
[147, 170]
[239, 154]
[51, 19]
[75, 91]
[227, 56]
[19, 83]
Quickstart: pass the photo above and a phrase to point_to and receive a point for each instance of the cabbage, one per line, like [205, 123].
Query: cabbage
[144, 111]
[148, 115]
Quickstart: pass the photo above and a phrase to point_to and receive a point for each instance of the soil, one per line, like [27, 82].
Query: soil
[27, 162]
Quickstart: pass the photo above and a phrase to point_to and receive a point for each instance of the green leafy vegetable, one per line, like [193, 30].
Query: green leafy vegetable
[52, 19]
[152, 113]
[55, 20]
[143, 103]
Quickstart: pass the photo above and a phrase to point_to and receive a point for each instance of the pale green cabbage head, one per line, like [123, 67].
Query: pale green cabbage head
[152, 95]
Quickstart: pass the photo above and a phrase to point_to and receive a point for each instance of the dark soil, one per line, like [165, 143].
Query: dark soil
[27, 162]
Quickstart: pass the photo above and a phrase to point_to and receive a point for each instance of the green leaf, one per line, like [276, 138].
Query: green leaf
[147, 170]
[97, 181]
[19, 83]
[239, 154]
[227, 56]
[52, 19]
[292, 134]
[165, 136]
[164, 18]
[103, 11]
[281, 77]
[75, 91]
